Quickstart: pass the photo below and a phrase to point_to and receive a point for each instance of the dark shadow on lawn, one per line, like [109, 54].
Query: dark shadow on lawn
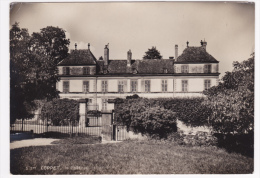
[239, 143]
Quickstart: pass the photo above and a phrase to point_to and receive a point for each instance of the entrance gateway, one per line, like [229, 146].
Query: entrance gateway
[90, 116]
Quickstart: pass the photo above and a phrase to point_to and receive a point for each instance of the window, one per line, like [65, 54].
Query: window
[86, 70]
[133, 86]
[165, 70]
[66, 70]
[207, 68]
[90, 101]
[164, 85]
[147, 84]
[184, 69]
[66, 86]
[184, 85]
[120, 86]
[85, 86]
[104, 86]
[206, 84]
[104, 104]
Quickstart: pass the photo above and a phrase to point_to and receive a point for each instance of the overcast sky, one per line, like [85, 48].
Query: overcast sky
[228, 28]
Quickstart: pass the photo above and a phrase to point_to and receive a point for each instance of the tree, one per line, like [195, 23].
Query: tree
[21, 100]
[152, 53]
[33, 67]
[232, 101]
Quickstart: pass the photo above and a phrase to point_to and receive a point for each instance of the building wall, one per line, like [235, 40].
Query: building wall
[196, 68]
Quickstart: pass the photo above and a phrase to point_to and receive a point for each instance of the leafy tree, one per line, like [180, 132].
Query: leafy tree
[152, 53]
[21, 100]
[232, 101]
[33, 67]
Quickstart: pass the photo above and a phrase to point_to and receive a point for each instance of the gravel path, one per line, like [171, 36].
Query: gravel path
[31, 142]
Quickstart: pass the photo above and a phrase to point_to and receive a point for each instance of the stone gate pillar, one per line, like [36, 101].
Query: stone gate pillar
[82, 112]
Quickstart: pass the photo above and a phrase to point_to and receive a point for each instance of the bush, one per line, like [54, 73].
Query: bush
[61, 111]
[140, 115]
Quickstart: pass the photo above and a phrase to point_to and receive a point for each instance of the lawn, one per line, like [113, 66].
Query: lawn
[128, 157]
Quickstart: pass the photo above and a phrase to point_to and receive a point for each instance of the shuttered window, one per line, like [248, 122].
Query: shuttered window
[104, 86]
[184, 69]
[207, 68]
[85, 86]
[133, 86]
[207, 84]
[104, 104]
[164, 85]
[66, 70]
[66, 86]
[86, 70]
[184, 85]
[147, 85]
[122, 86]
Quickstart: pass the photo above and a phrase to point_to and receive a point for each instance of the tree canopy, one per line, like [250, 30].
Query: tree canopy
[232, 101]
[33, 67]
[152, 53]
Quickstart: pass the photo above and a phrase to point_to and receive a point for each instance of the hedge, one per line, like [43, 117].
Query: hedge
[61, 111]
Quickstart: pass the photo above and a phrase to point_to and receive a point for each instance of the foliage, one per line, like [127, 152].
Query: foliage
[61, 111]
[33, 67]
[132, 97]
[21, 88]
[152, 53]
[140, 116]
[232, 101]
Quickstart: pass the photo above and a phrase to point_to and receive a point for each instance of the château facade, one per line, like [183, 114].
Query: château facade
[83, 76]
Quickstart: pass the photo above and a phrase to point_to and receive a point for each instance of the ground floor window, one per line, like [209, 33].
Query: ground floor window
[104, 104]
[164, 85]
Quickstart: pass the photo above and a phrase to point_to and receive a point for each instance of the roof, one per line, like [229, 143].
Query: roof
[79, 57]
[145, 66]
[195, 54]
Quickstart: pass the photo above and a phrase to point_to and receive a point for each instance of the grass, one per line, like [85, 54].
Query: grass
[128, 157]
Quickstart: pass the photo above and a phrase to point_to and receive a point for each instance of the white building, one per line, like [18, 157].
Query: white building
[83, 76]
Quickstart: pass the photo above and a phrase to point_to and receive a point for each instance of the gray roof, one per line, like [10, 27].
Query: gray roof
[195, 54]
[79, 57]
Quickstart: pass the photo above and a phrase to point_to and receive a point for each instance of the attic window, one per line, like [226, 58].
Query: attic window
[105, 71]
[165, 71]
[184, 69]
[134, 71]
[66, 70]
[86, 70]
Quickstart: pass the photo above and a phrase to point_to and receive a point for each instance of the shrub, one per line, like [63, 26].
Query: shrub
[139, 115]
[61, 111]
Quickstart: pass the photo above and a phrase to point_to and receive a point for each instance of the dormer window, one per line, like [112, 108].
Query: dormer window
[207, 68]
[105, 71]
[184, 69]
[66, 70]
[86, 70]
[165, 71]
[134, 71]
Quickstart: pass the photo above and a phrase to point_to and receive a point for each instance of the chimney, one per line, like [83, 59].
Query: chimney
[75, 46]
[106, 55]
[176, 51]
[129, 58]
[203, 44]
[88, 45]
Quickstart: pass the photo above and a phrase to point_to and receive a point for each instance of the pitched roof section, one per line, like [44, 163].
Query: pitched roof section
[79, 57]
[147, 66]
[195, 54]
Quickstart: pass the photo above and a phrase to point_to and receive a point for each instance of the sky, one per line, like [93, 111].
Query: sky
[228, 27]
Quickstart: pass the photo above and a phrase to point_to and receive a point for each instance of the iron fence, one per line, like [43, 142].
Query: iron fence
[84, 126]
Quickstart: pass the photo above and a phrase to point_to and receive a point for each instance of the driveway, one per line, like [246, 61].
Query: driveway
[19, 140]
